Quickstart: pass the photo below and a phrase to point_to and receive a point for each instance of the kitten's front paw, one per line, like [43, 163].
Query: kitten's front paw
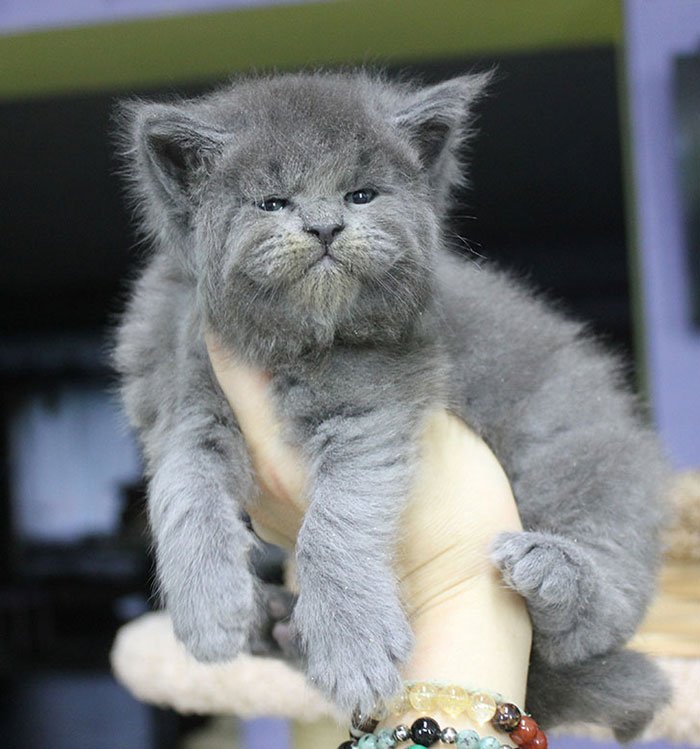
[353, 649]
[212, 615]
[557, 580]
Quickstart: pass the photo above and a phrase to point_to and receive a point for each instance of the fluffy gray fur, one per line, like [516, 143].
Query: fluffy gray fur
[363, 334]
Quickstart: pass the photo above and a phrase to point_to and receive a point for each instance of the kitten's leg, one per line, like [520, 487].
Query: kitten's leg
[352, 628]
[575, 606]
[590, 500]
[201, 481]
[622, 689]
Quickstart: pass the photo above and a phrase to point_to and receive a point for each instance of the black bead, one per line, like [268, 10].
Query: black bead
[348, 745]
[507, 717]
[425, 732]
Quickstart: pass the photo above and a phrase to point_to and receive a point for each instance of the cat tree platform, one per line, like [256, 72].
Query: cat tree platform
[155, 668]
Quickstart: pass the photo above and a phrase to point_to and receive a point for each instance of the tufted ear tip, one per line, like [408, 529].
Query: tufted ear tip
[165, 148]
[437, 118]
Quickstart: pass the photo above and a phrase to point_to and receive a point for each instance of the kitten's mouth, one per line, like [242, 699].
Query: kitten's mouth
[326, 261]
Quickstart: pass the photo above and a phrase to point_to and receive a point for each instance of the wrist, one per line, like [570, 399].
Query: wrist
[435, 713]
[451, 710]
[477, 720]
[469, 628]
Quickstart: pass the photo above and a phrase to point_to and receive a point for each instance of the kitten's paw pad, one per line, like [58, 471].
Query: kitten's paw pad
[550, 572]
[214, 623]
[287, 639]
[353, 653]
[277, 602]
[272, 633]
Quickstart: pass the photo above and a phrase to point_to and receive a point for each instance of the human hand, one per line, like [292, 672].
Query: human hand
[469, 629]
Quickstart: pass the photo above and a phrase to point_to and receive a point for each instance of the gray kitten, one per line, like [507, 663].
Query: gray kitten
[300, 218]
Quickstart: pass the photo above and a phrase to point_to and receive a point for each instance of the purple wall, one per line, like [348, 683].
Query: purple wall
[657, 30]
[565, 742]
[265, 733]
[18, 16]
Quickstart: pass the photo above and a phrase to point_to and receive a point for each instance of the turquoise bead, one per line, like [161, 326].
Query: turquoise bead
[467, 739]
[368, 741]
[488, 742]
[385, 740]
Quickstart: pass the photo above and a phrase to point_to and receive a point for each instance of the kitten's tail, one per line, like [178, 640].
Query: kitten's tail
[622, 690]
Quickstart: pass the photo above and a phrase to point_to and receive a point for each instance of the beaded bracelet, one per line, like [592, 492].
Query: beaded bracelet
[427, 732]
[480, 706]
[424, 732]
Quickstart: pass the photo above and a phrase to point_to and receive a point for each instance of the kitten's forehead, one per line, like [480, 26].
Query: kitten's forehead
[266, 165]
[312, 131]
[330, 105]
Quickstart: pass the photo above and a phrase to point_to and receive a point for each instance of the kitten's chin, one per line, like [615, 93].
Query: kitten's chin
[326, 286]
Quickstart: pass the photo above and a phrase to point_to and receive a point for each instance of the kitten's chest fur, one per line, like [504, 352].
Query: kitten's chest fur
[350, 383]
[333, 403]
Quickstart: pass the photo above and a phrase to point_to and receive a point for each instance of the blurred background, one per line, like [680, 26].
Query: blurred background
[584, 179]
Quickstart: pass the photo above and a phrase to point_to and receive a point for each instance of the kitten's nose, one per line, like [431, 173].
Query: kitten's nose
[326, 233]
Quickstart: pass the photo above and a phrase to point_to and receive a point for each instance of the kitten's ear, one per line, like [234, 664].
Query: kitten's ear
[437, 118]
[167, 150]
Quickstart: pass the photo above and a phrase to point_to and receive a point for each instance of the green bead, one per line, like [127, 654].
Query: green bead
[488, 742]
[368, 741]
[385, 740]
[467, 739]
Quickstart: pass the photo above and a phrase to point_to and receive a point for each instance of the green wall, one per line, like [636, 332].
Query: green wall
[143, 53]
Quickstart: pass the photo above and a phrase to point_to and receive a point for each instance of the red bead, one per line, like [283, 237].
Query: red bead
[525, 732]
[539, 742]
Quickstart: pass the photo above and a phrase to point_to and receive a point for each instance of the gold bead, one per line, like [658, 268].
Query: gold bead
[399, 703]
[423, 697]
[481, 707]
[452, 700]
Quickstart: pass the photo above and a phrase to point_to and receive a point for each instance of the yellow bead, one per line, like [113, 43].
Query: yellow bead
[423, 697]
[452, 700]
[481, 707]
[398, 704]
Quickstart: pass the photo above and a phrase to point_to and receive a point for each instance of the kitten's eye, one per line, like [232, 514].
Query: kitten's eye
[360, 197]
[272, 204]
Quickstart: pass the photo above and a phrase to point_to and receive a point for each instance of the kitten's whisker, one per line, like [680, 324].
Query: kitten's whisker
[400, 292]
[467, 244]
